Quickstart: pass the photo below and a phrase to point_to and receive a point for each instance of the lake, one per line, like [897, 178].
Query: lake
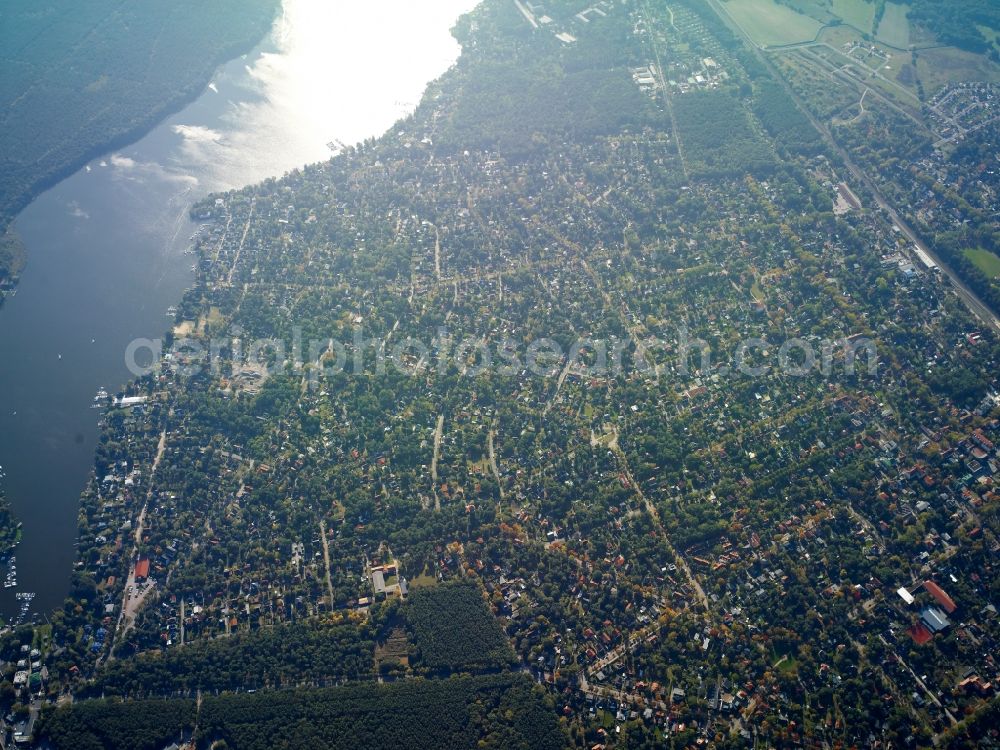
[108, 248]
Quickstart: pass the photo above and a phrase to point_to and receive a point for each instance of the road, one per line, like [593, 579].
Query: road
[971, 300]
[326, 560]
[437, 253]
[655, 517]
[663, 86]
[635, 333]
[933, 698]
[618, 652]
[131, 604]
[979, 308]
[438, 433]
[490, 443]
[243, 239]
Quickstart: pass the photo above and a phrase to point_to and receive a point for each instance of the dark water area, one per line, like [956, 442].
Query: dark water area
[109, 247]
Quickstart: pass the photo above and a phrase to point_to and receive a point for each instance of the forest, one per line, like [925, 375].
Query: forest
[716, 136]
[279, 656]
[80, 79]
[502, 712]
[113, 725]
[956, 22]
[498, 711]
[542, 92]
[516, 109]
[783, 120]
[454, 629]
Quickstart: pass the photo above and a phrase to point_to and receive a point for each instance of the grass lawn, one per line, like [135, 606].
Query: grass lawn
[895, 26]
[985, 261]
[424, 580]
[42, 637]
[788, 665]
[768, 23]
[857, 13]
[606, 718]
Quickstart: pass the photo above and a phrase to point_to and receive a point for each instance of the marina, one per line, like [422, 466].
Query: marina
[10, 580]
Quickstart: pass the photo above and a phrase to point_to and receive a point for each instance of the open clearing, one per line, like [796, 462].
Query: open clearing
[768, 23]
[944, 65]
[895, 26]
[985, 261]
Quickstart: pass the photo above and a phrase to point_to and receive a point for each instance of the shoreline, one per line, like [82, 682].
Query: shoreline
[154, 119]
[21, 258]
[84, 493]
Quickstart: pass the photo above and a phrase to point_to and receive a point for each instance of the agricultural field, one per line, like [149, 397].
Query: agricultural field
[769, 24]
[935, 67]
[894, 28]
[858, 13]
[818, 9]
[985, 261]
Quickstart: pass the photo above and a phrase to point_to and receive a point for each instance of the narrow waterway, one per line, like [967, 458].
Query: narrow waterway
[108, 248]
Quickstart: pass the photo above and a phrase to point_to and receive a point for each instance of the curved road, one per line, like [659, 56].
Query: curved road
[978, 308]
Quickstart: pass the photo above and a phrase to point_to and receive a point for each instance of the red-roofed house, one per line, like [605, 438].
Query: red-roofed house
[142, 570]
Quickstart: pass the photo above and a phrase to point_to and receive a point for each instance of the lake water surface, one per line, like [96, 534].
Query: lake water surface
[107, 247]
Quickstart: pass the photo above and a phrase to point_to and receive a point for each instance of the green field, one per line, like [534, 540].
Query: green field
[857, 13]
[769, 24]
[895, 26]
[985, 261]
[944, 65]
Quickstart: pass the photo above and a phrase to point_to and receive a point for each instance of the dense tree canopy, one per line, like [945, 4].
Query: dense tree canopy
[454, 629]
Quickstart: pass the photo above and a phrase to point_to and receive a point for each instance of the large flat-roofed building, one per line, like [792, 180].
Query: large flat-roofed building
[934, 619]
